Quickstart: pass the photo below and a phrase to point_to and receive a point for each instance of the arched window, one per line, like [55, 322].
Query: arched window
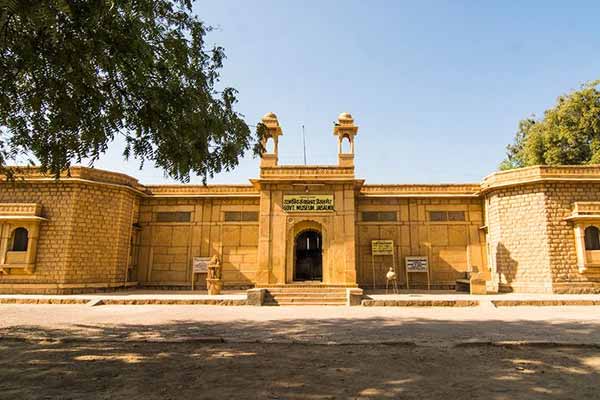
[20, 240]
[270, 146]
[346, 146]
[592, 238]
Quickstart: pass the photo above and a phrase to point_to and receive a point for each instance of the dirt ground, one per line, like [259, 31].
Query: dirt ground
[141, 370]
[422, 325]
[160, 352]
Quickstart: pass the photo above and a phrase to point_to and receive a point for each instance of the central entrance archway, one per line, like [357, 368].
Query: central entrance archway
[308, 256]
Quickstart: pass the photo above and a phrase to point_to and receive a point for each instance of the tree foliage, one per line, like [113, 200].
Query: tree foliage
[569, 133]
[76, 73]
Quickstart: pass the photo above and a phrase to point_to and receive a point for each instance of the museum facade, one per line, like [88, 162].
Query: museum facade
[533, 230]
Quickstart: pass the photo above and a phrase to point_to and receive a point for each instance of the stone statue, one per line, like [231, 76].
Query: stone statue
[214, 268]
[214, 283]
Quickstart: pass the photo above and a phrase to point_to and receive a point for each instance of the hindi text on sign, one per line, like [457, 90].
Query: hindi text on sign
[417, 264]
[308, 203]
[382, 247]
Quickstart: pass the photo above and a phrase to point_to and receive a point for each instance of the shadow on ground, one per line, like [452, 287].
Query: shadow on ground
[333, 330]
[105, 362]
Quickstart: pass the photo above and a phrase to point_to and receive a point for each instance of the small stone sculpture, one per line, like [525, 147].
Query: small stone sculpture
[214, 283]
[392, 277]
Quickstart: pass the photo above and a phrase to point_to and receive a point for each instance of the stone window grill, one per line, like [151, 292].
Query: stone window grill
[445, 216]
[379, 216]
[241, 216]
[174, 216]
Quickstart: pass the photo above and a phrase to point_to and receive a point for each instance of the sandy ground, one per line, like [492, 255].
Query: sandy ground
[154, 352]
[307, 324]
[129, 370]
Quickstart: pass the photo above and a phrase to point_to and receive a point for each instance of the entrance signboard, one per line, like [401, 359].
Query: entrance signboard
[308, 202]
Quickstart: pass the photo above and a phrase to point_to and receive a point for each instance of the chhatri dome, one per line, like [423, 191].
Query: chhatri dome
[345, 118]
[269, 115]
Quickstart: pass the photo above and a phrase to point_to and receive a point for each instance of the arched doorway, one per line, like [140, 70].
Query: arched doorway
[308, 256]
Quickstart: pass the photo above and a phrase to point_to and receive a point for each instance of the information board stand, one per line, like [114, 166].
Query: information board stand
[414, 264]
[199, 266]
[382, 248]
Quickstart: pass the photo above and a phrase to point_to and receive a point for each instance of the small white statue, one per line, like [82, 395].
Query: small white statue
[391, 276]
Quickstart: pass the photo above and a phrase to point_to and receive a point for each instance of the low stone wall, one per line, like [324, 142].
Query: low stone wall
[419, 303]
[50, 289]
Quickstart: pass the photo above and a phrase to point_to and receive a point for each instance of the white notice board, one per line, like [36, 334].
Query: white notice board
[417, 264]
[200, 265]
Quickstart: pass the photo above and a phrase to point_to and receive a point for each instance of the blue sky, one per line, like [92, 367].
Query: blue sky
[436, 87]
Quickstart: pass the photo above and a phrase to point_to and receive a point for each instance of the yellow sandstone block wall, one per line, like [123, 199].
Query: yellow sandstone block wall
[100, 238]
[453, 247]
[531, 245]
[85, 240]
[518, 239]
[167, 248]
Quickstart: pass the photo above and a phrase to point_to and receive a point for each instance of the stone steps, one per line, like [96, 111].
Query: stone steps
[306, 303]
[306, 295]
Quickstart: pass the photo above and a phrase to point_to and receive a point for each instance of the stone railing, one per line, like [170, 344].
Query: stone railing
[77, 173]
[310, 172]
[425, 190]
[201, 191]
[541, 173]
[586, 207]
[20, 209]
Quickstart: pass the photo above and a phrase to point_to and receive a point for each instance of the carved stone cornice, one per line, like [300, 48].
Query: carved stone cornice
[584, 211]
[77, 173]
[26, 212]
[421, 190]
[202, 191]
[306, 172]
[20, 209]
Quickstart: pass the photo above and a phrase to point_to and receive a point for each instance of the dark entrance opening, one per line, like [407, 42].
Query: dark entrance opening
[308, 257]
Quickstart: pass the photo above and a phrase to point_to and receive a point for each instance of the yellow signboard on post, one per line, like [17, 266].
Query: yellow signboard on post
[308, 203]
[382, 248]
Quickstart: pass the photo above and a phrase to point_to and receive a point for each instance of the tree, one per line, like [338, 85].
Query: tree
[76, 73]
[569, 133]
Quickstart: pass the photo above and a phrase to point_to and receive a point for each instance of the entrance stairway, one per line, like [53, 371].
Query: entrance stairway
[300, 294]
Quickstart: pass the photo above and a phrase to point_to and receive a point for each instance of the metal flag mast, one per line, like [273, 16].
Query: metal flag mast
[304, 143]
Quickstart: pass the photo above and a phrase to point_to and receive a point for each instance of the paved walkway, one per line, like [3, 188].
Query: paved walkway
[342, 325]
[241, 295]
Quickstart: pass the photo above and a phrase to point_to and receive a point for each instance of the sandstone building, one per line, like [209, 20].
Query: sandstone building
[529, 230]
